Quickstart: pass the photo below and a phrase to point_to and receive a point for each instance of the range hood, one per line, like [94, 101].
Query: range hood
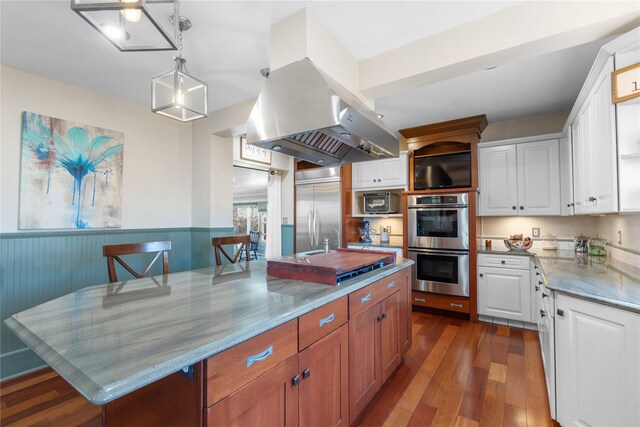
[306, 114]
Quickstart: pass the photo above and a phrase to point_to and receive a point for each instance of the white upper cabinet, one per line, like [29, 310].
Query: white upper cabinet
[594, 149]
[566, 177]
[387, 173]
[520, 179]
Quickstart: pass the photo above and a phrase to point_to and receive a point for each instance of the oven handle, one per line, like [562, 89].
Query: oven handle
[438, 207]
[438, 252]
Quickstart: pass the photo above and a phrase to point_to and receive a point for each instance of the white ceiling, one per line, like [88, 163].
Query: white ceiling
[229, 43]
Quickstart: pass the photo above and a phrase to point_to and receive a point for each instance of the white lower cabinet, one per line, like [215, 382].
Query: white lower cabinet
[505, 291]
[597, 364]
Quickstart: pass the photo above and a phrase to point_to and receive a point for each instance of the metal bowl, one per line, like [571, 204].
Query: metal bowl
[518, 245]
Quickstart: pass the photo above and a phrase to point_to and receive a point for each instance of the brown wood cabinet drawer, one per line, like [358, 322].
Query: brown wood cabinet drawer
[321, 321]
[442, 302]
[369, 296]
[238, 365]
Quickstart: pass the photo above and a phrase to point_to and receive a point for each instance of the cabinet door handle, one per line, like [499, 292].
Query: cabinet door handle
[384, 316]
[521, 207]
[544, 295]
[513, 207]
[327, 319]
[420, 299]
[260, 356]
[481, 274]
[455, 305]
[365, 298]
[391, 285]
[537, 288]
[503, 262]
[542, 314]
[592, 199]
[560, 312]
[295, 380]
[306, 373]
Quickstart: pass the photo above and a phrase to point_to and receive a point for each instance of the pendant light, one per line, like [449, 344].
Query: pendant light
[132, 25]
[177, 94]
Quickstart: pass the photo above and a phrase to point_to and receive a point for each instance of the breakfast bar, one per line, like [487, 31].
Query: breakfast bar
[112, 340]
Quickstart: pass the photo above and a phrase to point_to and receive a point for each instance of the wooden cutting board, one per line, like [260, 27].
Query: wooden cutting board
[329, 268]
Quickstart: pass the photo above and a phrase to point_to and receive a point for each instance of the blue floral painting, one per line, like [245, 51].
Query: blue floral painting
[71, 175]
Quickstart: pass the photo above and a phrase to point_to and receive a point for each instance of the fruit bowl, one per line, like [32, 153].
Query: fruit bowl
[518, 244]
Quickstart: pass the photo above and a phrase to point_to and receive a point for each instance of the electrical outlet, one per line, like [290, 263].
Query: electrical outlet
[285, 220]
[535, 232]
[619, 237]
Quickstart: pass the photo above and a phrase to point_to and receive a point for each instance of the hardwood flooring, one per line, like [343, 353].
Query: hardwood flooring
[457, 373]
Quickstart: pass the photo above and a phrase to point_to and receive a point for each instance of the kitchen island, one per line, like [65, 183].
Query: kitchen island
[111, 340]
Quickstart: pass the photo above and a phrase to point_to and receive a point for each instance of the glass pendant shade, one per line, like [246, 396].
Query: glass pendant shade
[133, 25]
[178, 95]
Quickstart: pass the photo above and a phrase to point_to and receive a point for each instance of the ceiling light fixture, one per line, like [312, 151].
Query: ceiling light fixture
[133, 25]
[177, 94]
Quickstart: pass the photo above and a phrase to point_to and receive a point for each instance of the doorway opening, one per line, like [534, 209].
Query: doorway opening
[250, 207]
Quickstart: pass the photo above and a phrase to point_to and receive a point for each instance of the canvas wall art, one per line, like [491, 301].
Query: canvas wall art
[71, 175]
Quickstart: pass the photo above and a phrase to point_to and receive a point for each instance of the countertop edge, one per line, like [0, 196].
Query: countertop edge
[99, 395]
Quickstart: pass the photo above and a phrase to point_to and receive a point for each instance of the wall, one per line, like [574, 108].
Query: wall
[628, 224]
[530, 126]
[564, 227]
[157, 151]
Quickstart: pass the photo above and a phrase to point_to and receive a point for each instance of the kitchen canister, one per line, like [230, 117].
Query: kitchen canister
[580, 243]
[597, 246]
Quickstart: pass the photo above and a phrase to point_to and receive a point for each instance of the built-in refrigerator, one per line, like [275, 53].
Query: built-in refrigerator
[318, 208]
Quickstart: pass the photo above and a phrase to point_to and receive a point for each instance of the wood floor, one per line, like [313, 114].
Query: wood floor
[456, 374]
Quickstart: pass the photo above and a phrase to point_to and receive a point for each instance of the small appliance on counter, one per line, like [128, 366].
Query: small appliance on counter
[549, 242]
[367, 233]
[382, 202]
[580, 243]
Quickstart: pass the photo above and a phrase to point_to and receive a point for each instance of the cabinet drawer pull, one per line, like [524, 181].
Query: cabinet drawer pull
[260, 356]
[391, 285]
[455, 305]
[544, 295]
[537, 288]
[560, 312]
[295, 380]
[420, 299]
[365, 298]
[306, 373]
[327, 319]
[542, 314]
[503, 262]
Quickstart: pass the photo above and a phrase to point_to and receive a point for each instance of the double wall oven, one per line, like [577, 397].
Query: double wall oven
[438, 242]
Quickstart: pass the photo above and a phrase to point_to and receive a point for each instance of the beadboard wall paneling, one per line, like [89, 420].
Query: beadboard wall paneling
[287, 239]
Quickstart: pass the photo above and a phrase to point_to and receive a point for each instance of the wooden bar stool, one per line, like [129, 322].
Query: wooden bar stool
[113, 252]
[243, 241]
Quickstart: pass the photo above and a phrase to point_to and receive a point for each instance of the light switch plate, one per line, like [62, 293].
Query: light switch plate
[535, 232]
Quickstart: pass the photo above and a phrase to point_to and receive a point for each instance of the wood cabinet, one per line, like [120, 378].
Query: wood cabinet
[598, 364]
[324, 388]
[271, 399]
[593, 136]
[520, 179]
[387, 173]
[505, 291]
[374, 349]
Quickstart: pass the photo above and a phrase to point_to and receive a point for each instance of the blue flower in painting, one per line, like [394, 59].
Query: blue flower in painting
[79, 157]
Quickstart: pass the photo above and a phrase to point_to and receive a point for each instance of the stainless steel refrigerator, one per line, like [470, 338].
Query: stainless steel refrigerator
[318, 208]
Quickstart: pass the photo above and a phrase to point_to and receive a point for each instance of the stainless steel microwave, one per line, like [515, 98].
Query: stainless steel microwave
[382, 202]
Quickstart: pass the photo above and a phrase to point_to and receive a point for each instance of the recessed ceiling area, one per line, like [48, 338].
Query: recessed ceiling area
[230, 42]
[535, 86]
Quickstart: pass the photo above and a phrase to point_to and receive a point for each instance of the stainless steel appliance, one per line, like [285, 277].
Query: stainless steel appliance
[438, 222]
[318, 209]
[442, 272]
[304, 113]
[382, 202]
[438, 242]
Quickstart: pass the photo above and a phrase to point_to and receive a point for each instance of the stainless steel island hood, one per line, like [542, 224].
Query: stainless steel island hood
[306, 114]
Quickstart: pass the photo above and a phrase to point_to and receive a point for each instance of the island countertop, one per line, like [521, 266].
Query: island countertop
[109, 340]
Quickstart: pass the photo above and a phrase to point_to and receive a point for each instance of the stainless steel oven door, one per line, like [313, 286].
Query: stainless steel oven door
[442, 272]
[438, 227]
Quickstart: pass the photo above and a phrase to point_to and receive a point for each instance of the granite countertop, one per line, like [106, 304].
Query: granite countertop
[109, 340]
[594, 278]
